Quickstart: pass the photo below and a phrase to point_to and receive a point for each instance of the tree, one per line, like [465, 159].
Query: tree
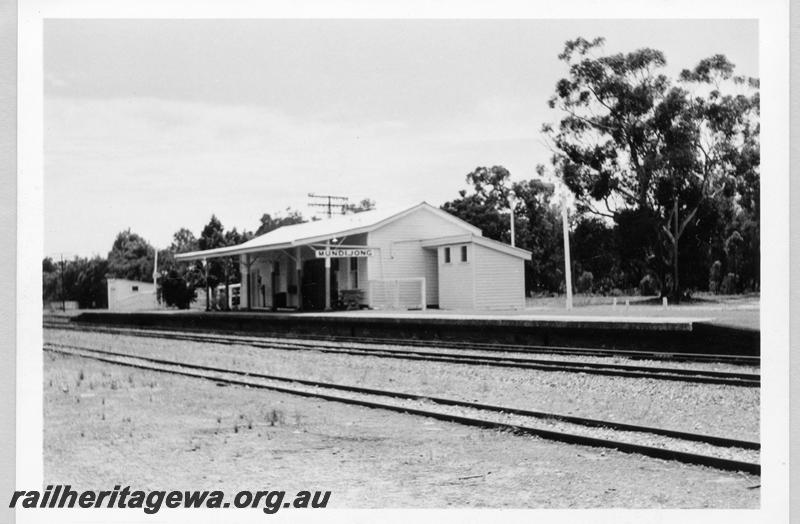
[537, 222]
[131, 257]
[634, 143]
[270, 223]
[365, 204]
[212, 237]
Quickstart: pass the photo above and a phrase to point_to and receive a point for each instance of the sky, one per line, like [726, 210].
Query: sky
[154, 125]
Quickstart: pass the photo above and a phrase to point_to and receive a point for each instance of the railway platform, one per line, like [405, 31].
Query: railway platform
[666, 334]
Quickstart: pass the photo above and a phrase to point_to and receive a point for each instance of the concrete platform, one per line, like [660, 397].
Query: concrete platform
[666, 334]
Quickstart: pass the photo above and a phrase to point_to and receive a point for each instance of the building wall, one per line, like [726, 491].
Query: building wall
[400, 253]
[499, 280]
[130, 295]
[456, 278]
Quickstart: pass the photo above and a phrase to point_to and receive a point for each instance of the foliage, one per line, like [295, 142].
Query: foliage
[715, 277]
[131, 257]
[537, 222]
[366, 204]
[176, 291]
[649, 286]
[585, 282]
[655, 153]
[84, 281]
[270, 223]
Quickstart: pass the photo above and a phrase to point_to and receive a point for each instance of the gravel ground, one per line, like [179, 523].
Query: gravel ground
[726, 411]
[107, 424]
[641, 438]
[286, 342]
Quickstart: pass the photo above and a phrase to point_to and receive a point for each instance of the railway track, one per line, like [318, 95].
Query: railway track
[64, 323]
[463, 356]
[712, 451]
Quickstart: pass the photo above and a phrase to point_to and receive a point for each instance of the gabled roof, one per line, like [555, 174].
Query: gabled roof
[321, 230]
[481, 241]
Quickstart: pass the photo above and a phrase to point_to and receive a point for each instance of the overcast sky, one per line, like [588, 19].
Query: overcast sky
[155, 125]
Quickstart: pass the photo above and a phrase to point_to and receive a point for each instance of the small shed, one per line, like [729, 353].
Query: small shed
[131, 295]
[479, 273]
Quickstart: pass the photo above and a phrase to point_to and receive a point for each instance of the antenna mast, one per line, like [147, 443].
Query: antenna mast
[329, 202]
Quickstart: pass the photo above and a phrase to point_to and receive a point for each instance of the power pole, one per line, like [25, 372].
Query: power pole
[567, 262]
[63, 298]
[329, 202]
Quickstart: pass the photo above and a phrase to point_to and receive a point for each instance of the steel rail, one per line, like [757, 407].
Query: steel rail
[595, 368]
[478, 346]
[152, 364]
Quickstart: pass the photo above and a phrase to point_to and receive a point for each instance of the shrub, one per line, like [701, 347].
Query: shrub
[729, 284]
[175, 291]
[715, 277]
[649, 286]
[585, 282]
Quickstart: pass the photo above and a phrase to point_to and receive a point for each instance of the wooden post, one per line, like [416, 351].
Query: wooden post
[567, 263]
[327, 278]
[299, 267]
[244, 291]
[205, 274]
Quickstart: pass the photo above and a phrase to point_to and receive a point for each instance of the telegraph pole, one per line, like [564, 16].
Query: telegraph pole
[63, 298]
[567, 263]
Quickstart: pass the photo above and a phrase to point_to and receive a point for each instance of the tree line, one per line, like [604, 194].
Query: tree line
[664, 174]
[84, 280]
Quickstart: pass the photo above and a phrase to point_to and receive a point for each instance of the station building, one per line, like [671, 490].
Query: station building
[411, 258]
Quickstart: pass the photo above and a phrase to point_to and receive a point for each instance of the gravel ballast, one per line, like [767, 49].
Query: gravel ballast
[720, 410]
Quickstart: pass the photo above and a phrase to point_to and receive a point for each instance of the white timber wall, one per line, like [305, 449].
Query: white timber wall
[130, 295]
[499, 280]
[457, 278]
[400, 253]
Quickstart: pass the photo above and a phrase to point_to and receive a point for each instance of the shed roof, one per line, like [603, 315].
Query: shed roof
[321, 230]
[480, 240]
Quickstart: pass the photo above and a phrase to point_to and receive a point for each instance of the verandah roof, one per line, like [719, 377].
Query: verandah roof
[314, 232]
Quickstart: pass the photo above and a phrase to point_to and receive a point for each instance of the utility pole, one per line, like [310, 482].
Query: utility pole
[512, 200]
[63, 298]
[329, 202]
[567, 263]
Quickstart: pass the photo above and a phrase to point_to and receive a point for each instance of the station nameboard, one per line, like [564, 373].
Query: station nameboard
[344, 252]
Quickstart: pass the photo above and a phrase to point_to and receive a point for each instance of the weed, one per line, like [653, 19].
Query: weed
[130, 379]
[236, 428]
[81, 376]
[275, 416]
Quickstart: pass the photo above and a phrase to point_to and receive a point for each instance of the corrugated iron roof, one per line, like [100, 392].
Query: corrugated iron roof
[321, 230]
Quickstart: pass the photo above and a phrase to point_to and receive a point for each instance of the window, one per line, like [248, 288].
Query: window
[447, 255]
[354, 273]
[463, 253]
[134, 288]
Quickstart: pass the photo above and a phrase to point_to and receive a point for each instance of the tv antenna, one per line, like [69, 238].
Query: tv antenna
[329, 202]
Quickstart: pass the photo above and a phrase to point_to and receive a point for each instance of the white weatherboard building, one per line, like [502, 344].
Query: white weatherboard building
[130, 295]
[412, 258]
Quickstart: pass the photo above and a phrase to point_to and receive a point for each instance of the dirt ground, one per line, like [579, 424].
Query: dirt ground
[107, 425]
[728, 411]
